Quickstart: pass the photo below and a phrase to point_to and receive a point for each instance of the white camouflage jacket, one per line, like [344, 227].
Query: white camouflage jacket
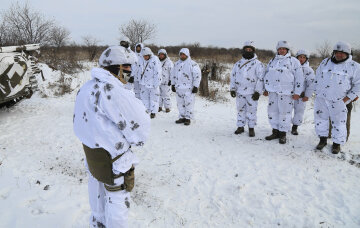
[150, 76]
[186, 74]
[309, 83]
[167, 66]
[109, 116]
[247, 76]
[284, 75]
[335, 81]
[136, 70]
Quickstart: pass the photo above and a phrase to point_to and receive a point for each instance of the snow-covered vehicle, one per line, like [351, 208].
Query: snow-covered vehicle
[18, 68]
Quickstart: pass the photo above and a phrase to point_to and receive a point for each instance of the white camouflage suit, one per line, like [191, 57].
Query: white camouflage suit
[128, 85]
[150, 80]
[333, 82]
[136, 71]
[185, 76]
[299, 105]
[247, 78]
[166, 65]
[283, 78]
[108, 116]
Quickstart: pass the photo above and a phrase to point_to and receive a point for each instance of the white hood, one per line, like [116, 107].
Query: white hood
[185, 51]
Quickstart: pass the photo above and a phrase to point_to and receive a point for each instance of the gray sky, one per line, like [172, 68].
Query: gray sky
[304, 23]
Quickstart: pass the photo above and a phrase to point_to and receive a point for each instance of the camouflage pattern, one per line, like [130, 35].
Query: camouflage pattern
[17, 69]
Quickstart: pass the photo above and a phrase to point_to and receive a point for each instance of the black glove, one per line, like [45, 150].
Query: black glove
[173, 88]
[302, 95]
[131, 80]
[233, 93]
[255, 96]
[169, 83]
[194, 90]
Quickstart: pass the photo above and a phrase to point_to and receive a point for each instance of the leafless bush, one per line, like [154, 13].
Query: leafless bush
[23, 25]
[91, 46]
[138, 31]
[64, 59]
[324, 50]
[59, 36]
[61, 86]
[215, 95]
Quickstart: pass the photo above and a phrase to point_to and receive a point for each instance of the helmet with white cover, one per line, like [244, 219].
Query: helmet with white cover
[116, 55]
[343, 47]
[303, 52]
[249, 44]
[283, 44]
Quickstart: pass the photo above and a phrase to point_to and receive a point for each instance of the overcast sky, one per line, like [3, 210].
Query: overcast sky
[227, 23]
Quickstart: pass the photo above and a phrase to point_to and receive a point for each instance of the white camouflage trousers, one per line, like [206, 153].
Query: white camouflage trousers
[246, 110]
[299, 109]
[165, 96]
[337, 112]
[108, 209]
[185, 103]
[279, 111]
[137, 89]
[150, 98]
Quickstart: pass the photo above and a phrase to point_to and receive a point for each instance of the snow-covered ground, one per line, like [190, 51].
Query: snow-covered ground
[200, 175]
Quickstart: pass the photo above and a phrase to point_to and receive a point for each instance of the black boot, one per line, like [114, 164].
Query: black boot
[180, 121]
[239, 130]
[294, 130]
[251, 132]
[167, 110]
[322, 143]
[152, 115]
[335, 148]
[187, 122]
[282, 137]
[274, 135]
[160, 109]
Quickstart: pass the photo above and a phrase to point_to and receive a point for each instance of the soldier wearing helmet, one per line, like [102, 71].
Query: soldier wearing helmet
[109, 120]
[337, 83]
[299, 105]
[284, 81]
[167, 65]
[246, 84]
[150, 79]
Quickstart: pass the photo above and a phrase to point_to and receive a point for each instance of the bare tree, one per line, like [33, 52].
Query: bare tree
[25, 25]
[92, 47]
[138, 31]
[324, 50]
[59, 36]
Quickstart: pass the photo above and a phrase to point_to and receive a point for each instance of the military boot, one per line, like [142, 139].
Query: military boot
[274, 135]
[152, 115]
[294, 130]
[251, 132]
[187, 122]
[160, 109]
[335, 148]
[322, 143]
[239, 130]
[180, 121]
[282, 137]
[167, 110]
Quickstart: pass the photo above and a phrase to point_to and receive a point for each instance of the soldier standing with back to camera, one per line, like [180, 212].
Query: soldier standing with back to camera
[108, 121]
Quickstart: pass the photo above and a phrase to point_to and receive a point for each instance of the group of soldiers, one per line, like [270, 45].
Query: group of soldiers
[153, 77]
[289, 82]
[109, 118]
